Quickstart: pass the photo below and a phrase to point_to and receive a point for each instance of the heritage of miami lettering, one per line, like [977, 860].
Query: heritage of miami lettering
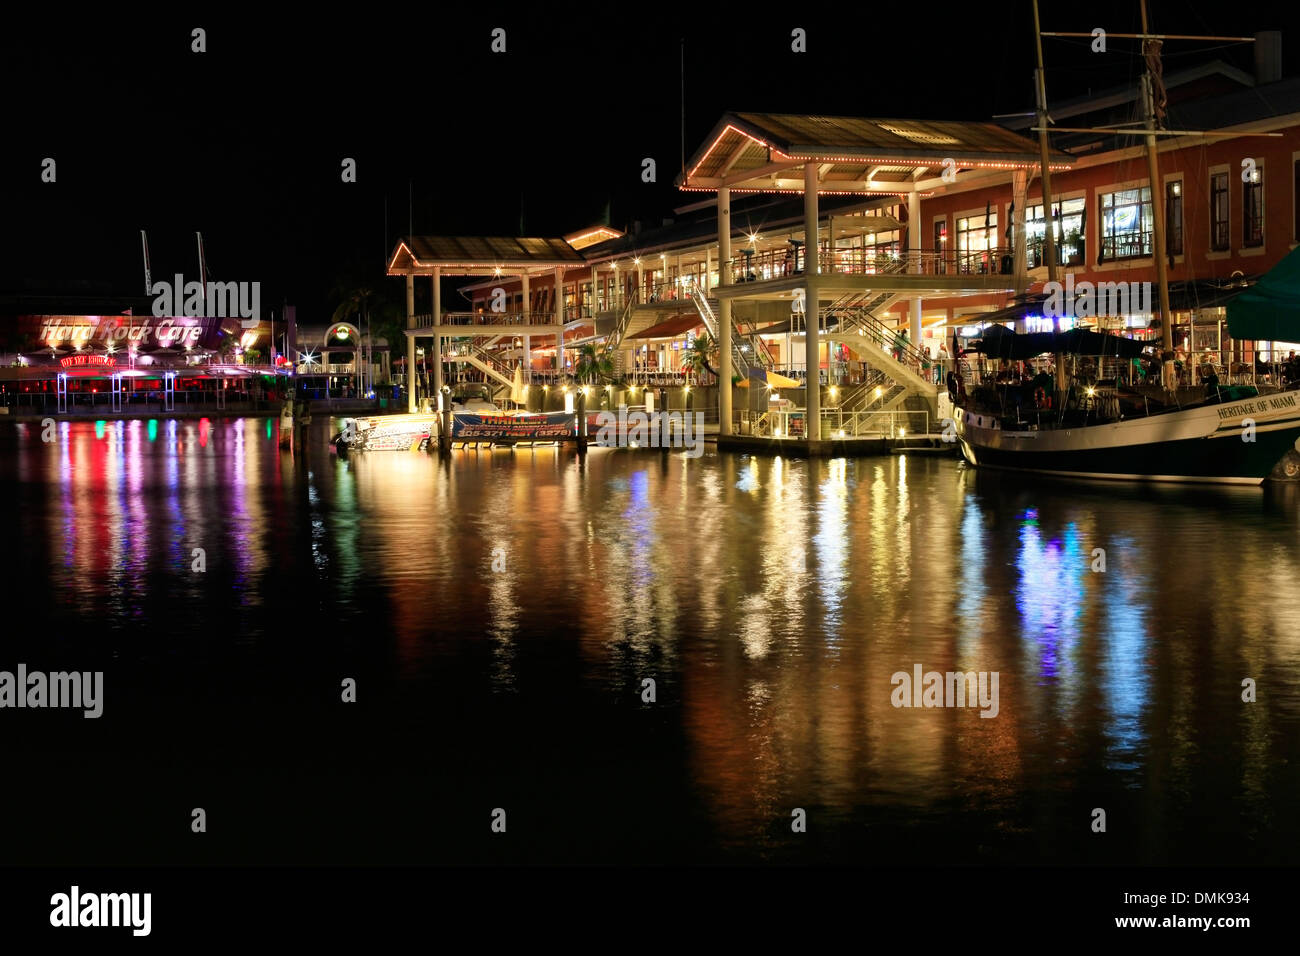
[1272, 403]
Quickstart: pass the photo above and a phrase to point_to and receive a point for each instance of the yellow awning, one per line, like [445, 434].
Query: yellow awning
[774, 380]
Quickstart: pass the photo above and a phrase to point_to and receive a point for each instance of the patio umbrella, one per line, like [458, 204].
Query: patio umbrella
[773, 379]
[1270, 309]
[517, 387]
[158, 356]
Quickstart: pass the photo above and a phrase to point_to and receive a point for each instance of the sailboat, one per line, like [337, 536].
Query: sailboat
[1234, 435]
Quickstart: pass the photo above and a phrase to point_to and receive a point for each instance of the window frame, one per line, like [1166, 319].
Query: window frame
[1247, 188]
[1212, 219]
[1146, 238]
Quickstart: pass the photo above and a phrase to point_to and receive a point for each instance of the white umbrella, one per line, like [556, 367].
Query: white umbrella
[517, 387]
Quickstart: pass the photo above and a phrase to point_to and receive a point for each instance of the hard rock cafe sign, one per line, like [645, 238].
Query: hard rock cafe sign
[58, 330]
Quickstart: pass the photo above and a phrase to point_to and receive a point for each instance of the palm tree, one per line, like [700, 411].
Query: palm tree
[697, 356]
[593, 365]
[356, 299]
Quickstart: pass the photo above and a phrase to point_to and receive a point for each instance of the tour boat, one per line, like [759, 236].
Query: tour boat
[1233, 435]
[1238, 437]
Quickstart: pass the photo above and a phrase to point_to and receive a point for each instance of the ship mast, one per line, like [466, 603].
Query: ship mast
[1049, 223]
[1153, 113]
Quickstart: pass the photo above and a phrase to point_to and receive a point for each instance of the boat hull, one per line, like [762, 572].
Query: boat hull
[1234, 443]
[387, 433]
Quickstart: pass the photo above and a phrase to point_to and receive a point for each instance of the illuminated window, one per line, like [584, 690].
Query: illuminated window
[1068, 236]
[977, 240]
[1126, 223]
[1174, 218]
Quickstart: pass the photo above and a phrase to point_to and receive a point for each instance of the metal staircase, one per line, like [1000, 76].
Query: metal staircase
[879, 342]
[485, 362]
[616, 334]
[739, 363]
[864, 395]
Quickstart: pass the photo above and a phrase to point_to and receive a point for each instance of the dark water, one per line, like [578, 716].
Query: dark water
[770, 600]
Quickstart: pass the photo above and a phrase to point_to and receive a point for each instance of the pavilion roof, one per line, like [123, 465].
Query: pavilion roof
[479, 255]
[757, 151]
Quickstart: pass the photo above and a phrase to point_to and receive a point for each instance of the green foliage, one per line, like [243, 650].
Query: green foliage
[593, 365]
[697, 357]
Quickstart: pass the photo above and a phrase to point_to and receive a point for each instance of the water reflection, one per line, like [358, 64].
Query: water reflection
[770, 598]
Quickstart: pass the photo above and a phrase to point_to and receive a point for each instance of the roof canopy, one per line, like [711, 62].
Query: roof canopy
[477, 256]
[756, 151]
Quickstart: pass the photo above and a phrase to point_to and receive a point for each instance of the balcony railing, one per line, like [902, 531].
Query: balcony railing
[523, 319]
[776, 264]
[1126, 245]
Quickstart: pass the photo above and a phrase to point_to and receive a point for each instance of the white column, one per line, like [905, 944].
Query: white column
[559, 319]
[1019, 238]
[914, 252]
[640, 283]
[410, 345]
[708, 271]
[812, 314]
[528, 321]
[724, 313]
[437, 339]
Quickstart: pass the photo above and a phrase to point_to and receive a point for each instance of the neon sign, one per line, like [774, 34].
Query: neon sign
[84, 361]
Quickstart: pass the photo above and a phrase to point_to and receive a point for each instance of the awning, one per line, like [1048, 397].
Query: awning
[1010, 345]
[1269, 311]
[677, 326]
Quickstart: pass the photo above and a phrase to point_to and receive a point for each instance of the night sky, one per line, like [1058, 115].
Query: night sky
[244, 142]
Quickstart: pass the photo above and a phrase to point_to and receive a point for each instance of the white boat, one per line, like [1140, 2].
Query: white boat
[387, 433]
[1236, 441]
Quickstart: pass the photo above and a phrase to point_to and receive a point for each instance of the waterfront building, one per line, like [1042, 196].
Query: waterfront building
[923, 229]
[64, 353]
[76, 347]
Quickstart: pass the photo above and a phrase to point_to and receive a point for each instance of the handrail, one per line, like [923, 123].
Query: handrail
[711, 323]
[774, 263]
[888, 424]
[485, 357]
[865, 390]
[486, 318]
[888, 339]
[761, 348]
[615, 337]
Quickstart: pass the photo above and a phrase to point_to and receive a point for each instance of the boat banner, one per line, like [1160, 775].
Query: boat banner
[395, 433]
[507, 428]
